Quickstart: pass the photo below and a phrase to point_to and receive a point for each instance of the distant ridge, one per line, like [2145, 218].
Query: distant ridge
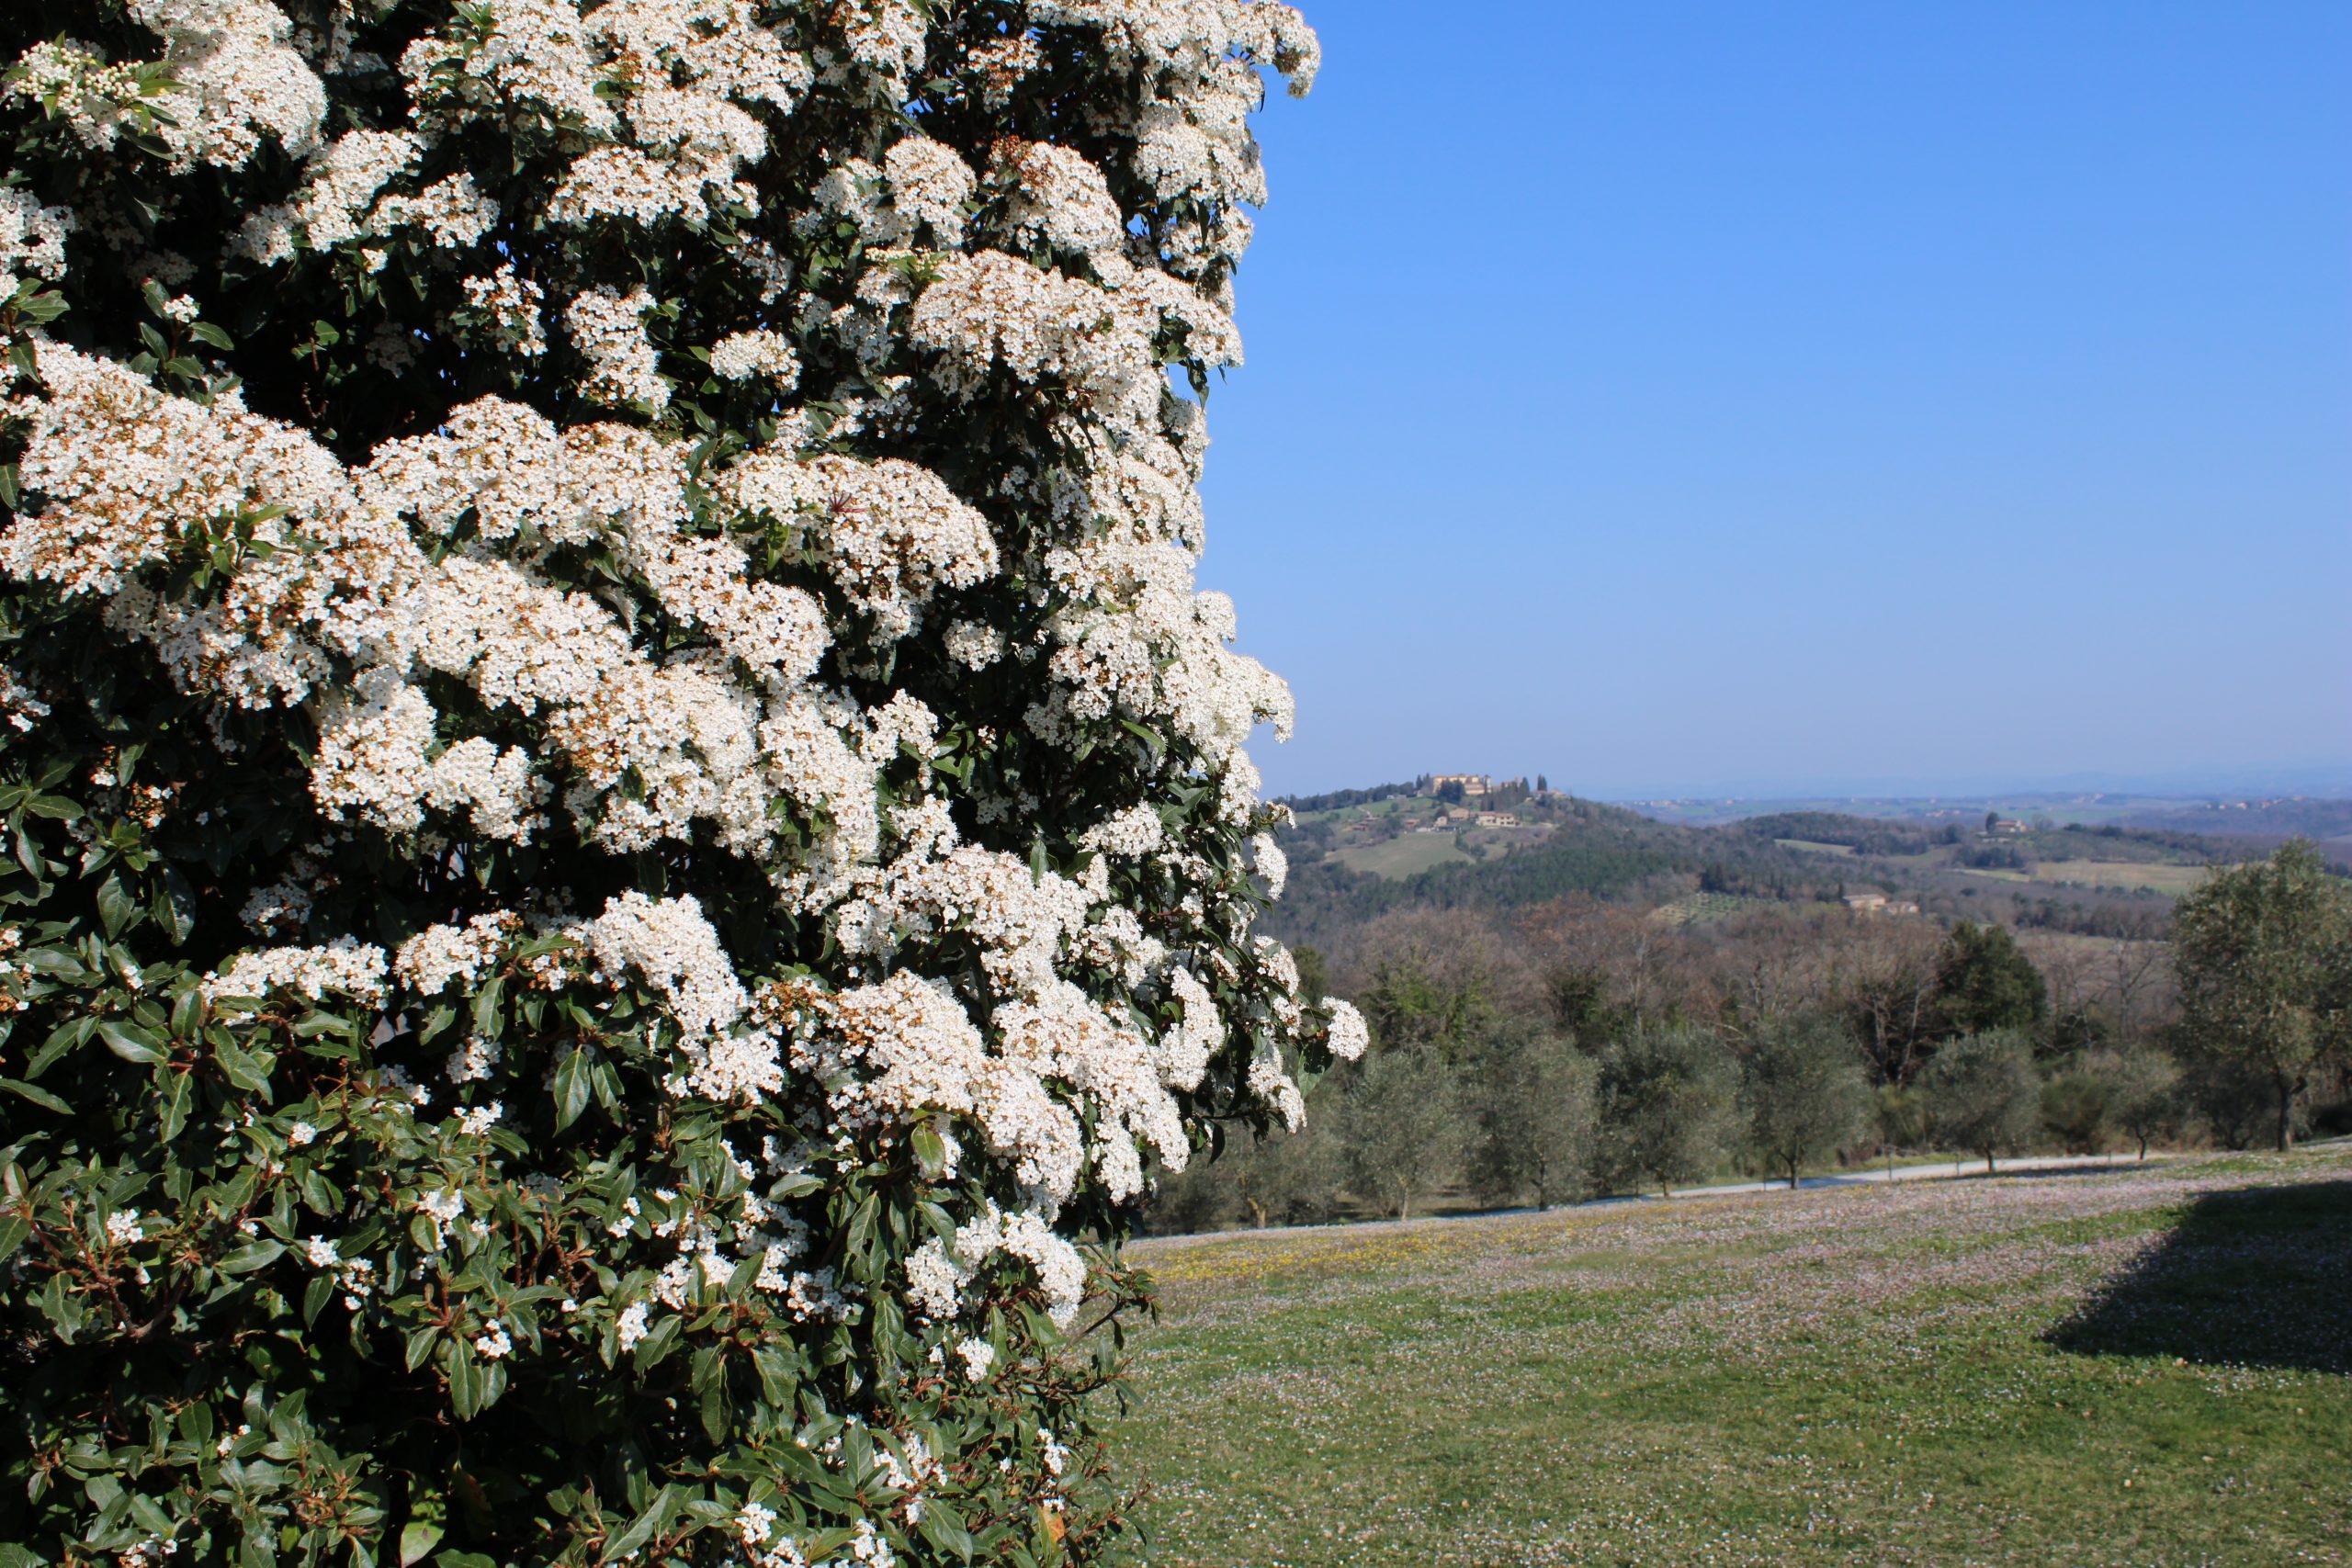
[2323, 778]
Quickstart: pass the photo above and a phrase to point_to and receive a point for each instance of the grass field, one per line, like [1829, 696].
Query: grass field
[2119, 874]
[1408, 855]
[2146, 1367]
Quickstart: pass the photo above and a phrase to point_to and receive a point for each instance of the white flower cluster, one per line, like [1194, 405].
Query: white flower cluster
[32, 239]
[740, 356]
[1062, 201]
[346, 968]
[341, 187]
[894, 535]
[19, 708]
[609, 328]
[510, 307]
[72, 81]
[938, 1272]
[238, 80]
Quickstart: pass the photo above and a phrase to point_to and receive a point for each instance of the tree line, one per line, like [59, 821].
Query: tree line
[1586, 1048]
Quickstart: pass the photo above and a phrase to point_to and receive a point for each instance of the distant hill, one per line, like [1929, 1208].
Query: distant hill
[2329, 821]
[2268, 817]
[1568, 847]
[1359, 854]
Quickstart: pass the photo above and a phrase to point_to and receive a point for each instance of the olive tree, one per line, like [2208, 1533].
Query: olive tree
[2263, 952]
[1669, 1100]
[625, 838]
[1803, 1093]
[2142, 1091]
[1531, 1099]
[1981, 1093]
[1404, 1130]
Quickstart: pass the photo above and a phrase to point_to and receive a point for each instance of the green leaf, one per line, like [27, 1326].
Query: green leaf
[486, 1002]
[253, 1256]
[417, 1539]
[173, 1114]
[571, 1088]
[206, 333]
[861, 1222]
[117, 908]
[247, 1069]
[39, 1096]
[777, 1379]
[717, 1411]
[175, 905]
[945, 1529]
[466, 1382]
[62, 1039]
[130, 1042]
[658, 1344]
[632, 1540]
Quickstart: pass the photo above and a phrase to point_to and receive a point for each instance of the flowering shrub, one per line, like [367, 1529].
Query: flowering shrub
[625, 838]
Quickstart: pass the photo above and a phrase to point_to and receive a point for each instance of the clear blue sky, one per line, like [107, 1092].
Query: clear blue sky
[1679, 398]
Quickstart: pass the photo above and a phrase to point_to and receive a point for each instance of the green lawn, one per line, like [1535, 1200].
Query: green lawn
[2146, 1367]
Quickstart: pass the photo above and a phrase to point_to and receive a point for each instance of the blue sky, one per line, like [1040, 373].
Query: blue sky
[1690, 397]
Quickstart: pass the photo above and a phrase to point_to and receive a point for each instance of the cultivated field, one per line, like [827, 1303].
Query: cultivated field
[2146, 1367]
[2121, 874]
[1408, 855]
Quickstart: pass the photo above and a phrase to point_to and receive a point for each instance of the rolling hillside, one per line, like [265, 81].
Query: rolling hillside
[1379, 850]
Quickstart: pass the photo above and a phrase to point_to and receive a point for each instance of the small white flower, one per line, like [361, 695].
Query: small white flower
[123, 1229]
[299, 1133]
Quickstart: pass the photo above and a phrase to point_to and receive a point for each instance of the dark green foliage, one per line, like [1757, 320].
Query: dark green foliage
[1983, 982]
[1982, 1095]
[2075, 1109]
[2265, 958]
[2142, 1092]
[1670, 1109]
[1533, 1117]
[1803, 1093]
[1404, 1128]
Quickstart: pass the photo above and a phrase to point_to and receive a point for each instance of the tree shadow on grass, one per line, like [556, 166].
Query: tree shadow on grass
[2261, 1277]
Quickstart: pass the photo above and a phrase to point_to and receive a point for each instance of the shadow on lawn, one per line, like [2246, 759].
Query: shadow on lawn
[2260, 1278]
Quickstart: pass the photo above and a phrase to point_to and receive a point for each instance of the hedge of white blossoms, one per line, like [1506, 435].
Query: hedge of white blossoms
[626, 841]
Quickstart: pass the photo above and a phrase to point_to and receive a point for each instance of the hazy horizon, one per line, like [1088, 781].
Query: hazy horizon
[2321, 780]
[1851, 394]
